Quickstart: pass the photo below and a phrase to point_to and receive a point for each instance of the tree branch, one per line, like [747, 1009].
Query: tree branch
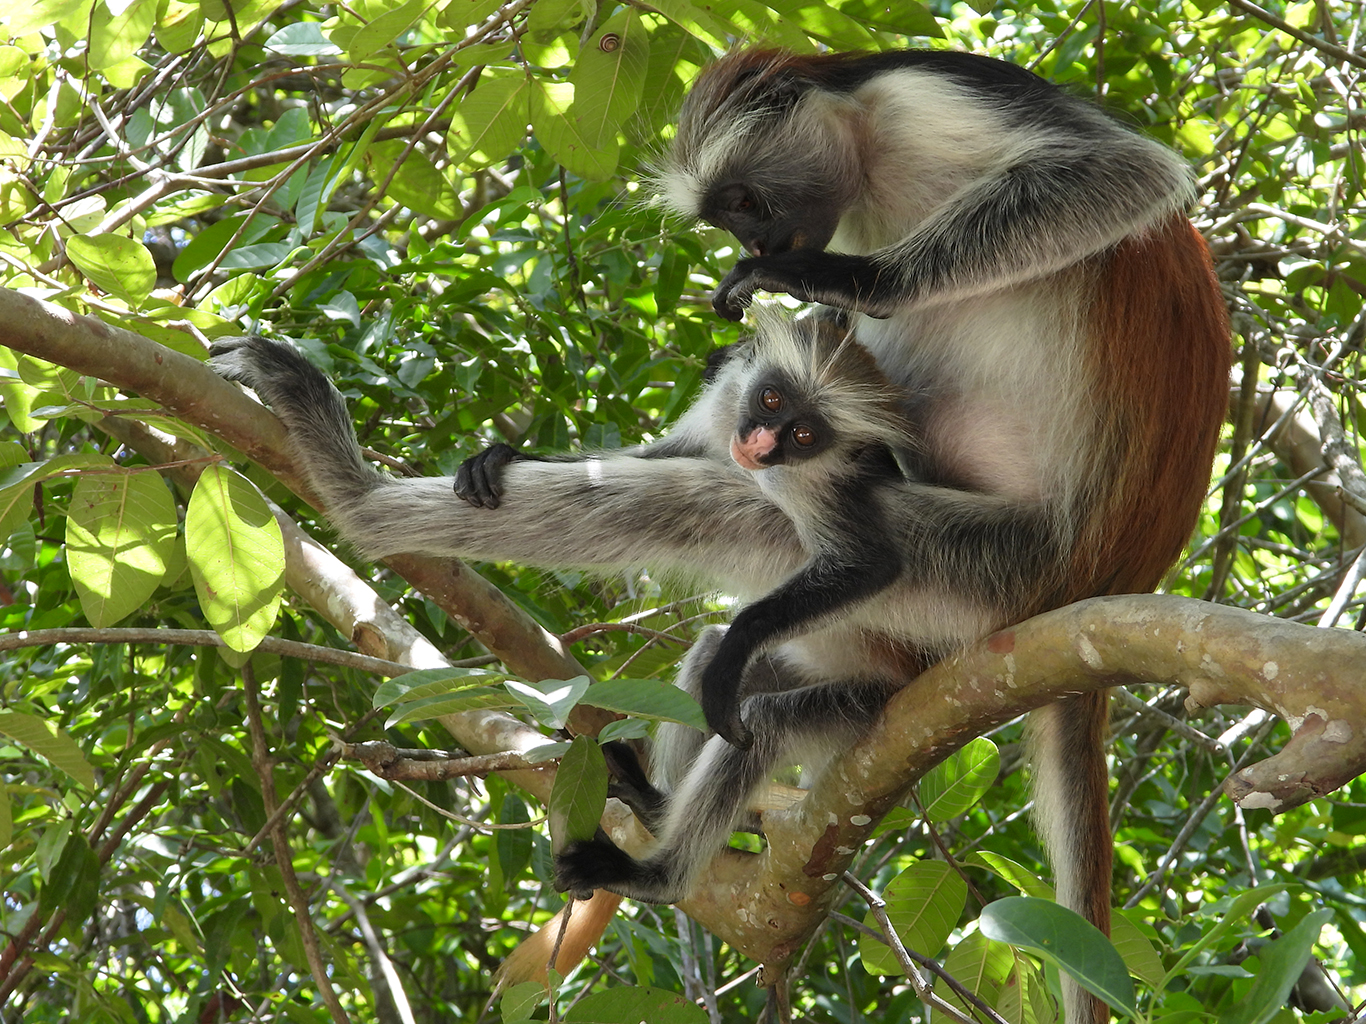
[766, 904]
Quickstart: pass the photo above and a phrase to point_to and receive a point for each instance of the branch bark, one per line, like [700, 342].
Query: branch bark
[767, 904]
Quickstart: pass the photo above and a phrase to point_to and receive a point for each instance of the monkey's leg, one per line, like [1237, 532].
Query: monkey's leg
[711, 797]
[607, 512]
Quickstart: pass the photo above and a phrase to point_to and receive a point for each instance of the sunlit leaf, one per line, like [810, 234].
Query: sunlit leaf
[236, 557]
[115, 263]
[45, 739]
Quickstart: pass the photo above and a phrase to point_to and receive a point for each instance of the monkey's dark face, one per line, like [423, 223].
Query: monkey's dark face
[778, 428]
[806, 219]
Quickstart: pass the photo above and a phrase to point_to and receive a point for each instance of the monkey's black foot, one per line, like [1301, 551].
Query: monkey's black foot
[631, 786]
[598, 863]
[276, 371]
[479, 480]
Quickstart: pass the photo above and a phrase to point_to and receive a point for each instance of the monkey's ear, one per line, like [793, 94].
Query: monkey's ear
[716, 361]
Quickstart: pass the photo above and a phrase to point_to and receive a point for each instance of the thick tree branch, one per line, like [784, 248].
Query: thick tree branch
[192, 391]
[767, 904]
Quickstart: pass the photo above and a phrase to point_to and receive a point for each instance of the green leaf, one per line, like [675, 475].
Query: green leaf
[26, 18]
[75, 882]
[955, 784]
[119, 265]
[579, 794]
[490, 122]
[302, 39]
[1140, 957]
[609, 75]
[1232, 913]
[472, 698]
[550, 700]
[120, 537]
[237, 557]
[519, 1001]
[627, 1005]
[646, 698]
[432, 682]
[564, 137]
[15, 501]
[1012, 872]
[114, 40]
[362, 42]
[1282, 962]
[417, 184]
[981, 966]
[1065, 939]
[50, 742]
[924, 904]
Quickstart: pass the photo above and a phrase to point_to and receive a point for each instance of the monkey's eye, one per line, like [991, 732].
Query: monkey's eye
[742, 203]
[803, 435]
[771, 399]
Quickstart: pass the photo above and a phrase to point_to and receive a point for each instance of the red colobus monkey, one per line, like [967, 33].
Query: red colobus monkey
[1022, 265]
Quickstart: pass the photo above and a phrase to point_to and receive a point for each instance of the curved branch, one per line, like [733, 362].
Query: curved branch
[192, 391]
[767, 904]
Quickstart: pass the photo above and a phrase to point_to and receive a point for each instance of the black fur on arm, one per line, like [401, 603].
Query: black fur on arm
[863, 564]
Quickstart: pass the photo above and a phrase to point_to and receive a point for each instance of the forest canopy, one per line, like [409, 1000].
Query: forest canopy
[219, 797]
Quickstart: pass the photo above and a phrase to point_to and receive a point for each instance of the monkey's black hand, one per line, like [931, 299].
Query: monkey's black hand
[479, 480]
[631, 786]
[721, 691]
[848, 282]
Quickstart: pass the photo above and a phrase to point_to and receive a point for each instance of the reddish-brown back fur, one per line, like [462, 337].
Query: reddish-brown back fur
[1159, 362]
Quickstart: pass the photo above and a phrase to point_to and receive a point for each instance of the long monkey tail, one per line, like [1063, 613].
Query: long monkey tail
[1072, 810]
[531, 959]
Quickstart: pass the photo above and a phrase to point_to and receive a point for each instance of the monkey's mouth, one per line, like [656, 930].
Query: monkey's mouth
[750, 451]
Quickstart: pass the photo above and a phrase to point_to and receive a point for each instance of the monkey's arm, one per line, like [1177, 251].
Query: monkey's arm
[1037, 214]
[827, 586]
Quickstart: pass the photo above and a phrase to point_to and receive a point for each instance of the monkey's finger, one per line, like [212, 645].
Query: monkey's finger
[479, 480]
[727, 309]
[735, 733]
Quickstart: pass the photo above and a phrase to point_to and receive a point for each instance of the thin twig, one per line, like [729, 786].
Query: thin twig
[909, 961]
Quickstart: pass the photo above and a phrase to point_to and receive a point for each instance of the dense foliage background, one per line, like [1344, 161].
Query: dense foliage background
[358, 177]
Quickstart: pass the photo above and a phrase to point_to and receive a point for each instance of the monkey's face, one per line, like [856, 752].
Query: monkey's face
[806, 218]
[777, 428]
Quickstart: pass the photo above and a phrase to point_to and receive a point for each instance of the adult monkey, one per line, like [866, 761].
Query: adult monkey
[1024, 265]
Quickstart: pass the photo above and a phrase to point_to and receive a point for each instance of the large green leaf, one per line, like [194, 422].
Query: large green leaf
[623, 1004]
[1065, 939]
[955, 784]
[609, 75]
[924, 904]
[120, 537]
[565, 137]
[1281, 963]
[491, 121]
[579, 793]
[237, 557]
[47, 740]
[119, 265]
[646, 698]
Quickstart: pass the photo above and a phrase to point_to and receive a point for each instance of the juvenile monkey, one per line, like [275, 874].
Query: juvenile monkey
[815, 516]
